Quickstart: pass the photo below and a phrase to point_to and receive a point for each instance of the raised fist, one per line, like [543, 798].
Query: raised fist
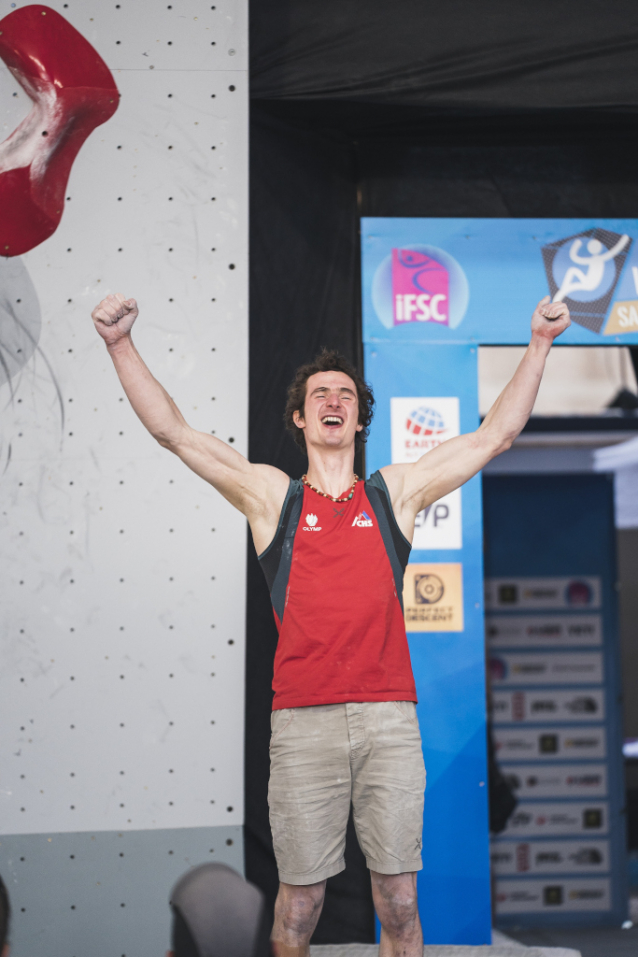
[550, 319]
[114, 317]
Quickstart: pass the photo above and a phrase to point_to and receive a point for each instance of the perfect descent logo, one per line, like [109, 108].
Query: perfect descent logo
[428, 589]
[421, 284]
[433, 596]
[584, 271]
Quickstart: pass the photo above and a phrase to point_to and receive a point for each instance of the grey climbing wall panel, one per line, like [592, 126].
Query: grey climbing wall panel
[124, 574]
[104, 893]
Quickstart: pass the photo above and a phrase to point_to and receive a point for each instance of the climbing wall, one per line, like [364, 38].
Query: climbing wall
[123, 599]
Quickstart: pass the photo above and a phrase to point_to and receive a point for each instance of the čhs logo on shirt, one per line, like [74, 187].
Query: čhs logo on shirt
[312, 522]
[362, 520]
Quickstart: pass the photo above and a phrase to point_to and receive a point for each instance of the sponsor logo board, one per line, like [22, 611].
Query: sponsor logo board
[547, 857]
[543, 896]
[433, 596]
[419, 425]
[420, 285]
[420, 291]
[542, 594]
[543, 707]
[519, 668]
[583, 271]
[542, 631]
[522, 743]
[420, 288]
[556, 780]
[540, 820]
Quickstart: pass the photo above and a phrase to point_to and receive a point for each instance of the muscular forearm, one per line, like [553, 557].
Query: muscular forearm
[151, 403]
[507, 417]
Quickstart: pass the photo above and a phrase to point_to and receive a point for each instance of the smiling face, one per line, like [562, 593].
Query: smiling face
[331, 411]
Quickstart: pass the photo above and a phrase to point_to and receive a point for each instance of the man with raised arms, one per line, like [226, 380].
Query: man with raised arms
[334, 549]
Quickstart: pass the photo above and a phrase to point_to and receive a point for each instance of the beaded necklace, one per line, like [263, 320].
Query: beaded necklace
[304, 479]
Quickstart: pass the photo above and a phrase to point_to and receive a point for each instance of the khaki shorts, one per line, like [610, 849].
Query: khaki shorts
[324, 757]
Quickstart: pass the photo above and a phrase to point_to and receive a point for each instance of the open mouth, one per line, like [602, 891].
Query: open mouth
[332, 421]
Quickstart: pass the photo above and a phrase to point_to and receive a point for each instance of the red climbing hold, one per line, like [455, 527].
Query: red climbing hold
[73, 91]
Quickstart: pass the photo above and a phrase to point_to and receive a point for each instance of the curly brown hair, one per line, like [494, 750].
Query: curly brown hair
[328, 360]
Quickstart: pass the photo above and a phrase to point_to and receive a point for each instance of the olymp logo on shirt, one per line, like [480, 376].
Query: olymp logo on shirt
[312, 522]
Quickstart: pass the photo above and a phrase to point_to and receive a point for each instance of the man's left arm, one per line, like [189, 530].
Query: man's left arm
[415, 486]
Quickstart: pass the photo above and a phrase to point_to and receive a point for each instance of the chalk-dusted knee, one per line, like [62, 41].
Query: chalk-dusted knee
[395, 901]
[298, 907]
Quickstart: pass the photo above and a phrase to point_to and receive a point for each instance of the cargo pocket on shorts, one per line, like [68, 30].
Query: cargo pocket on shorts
[279, 721]
[408, 710]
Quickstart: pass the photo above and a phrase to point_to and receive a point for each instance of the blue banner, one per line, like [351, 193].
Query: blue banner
[478, 280]
[425, 396]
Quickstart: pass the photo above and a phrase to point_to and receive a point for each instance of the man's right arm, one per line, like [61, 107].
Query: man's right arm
[256, 490]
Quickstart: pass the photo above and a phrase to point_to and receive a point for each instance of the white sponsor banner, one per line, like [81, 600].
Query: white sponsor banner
[547, 857]
[546, 669]
[552, 743]
[440, 525]
[549, 896]
[542, 820]
[419, 425]
[542, 594]
[556, 780]
[543, 631]
[543, 707]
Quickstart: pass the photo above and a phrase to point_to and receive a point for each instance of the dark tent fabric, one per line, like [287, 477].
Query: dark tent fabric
[458, 54]
[501, 167]
[304, 295]
[402, 109]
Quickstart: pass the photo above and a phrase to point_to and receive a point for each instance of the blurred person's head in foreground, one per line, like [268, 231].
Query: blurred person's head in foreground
[5, 914]
[216, 913]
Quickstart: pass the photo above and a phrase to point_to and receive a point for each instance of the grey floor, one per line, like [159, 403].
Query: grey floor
[595, 942]
[563, 942]
[501, 947]
[509, 950]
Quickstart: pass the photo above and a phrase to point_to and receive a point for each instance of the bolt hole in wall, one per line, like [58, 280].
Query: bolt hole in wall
[594, 391]
[124, 572]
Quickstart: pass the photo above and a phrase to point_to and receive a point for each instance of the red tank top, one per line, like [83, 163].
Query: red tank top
[335, 573]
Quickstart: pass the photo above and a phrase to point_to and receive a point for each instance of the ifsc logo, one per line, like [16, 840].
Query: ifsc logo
[311, 525]
[422, 284]
[583, 271]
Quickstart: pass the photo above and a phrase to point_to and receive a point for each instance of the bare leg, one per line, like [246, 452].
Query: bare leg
[297, 911]
[395, 902]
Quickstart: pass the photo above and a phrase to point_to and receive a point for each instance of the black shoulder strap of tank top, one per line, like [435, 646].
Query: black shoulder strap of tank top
[396, 544]
[277, 558]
